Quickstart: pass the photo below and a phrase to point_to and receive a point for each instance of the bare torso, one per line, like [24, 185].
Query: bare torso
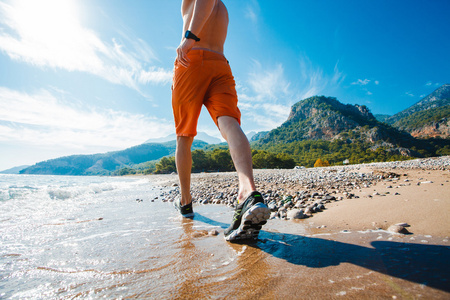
[214, 32]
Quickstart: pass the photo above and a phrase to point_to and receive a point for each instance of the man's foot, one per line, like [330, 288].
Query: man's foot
[185, 210]
[248, 219]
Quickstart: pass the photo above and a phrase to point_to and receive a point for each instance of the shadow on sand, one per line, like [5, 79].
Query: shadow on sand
[419, 263]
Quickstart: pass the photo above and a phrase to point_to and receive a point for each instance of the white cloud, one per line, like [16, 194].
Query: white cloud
[361, 82]
[268, 96]
[313, 81]
[264, 116]
[338, 76]
[410, 94]
[156, 75]
[430, 83]
[269, 84]
[47, 33]
[250, 14]
[252, 11]
[44, 120]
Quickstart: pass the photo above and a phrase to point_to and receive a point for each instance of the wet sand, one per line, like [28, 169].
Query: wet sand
[292, 261]
[343, 252]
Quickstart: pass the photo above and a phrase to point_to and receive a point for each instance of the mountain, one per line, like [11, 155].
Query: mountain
[14, 170]
[381, 117]
[255, 137]
[430, 123]
[321, 118]
[250, 135]
[169, 138]
[201, 136]
[430, 117]
[440, 97]
[105, 163]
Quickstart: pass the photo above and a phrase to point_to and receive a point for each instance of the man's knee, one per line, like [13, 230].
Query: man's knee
[184, 141]
[225, 122]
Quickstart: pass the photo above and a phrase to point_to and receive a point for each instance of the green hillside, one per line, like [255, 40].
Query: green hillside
[382, 117]
[105, 163]
[438, 98]
[319, 118]
[422, 118]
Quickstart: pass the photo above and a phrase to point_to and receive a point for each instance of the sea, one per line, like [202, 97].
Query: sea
[101, 237]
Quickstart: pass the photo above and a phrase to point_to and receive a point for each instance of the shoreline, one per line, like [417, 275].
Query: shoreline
[375, 196]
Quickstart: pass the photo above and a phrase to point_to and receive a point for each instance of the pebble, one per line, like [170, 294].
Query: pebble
[403, 224]
[398, 229]
[296, 214]
[213, 232]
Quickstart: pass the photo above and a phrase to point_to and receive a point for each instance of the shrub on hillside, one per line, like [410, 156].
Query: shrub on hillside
[321, 163]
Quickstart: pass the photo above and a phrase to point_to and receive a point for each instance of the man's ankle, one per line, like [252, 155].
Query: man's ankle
[185, 202]
[242, 196]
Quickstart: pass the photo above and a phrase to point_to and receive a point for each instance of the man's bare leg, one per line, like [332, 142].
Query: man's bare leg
[183, 160]
[240, 154]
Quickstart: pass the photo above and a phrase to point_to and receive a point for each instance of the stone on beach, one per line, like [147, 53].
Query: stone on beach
[296, 214]
[398, 229]
[213, 232]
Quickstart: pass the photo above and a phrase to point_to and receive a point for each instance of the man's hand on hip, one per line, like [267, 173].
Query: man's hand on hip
[182, 51]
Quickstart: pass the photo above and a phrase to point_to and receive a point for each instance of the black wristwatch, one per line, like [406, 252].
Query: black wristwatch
[190, 35]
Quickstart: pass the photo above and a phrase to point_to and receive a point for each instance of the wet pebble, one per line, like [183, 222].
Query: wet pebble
[398, 229]
[213, 232]
[295, 214]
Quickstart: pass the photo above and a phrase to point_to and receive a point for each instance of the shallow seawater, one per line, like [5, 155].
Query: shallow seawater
[89, 238]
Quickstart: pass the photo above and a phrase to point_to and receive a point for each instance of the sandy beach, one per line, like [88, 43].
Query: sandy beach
[365, 231]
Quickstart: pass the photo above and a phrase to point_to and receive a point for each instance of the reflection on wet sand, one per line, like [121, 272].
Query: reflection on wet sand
[237, 272]
[289, 265]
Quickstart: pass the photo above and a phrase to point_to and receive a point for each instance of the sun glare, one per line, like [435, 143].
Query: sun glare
[46, 20]
[51, 35]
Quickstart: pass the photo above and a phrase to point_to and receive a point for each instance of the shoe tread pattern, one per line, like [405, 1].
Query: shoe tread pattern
[252, 221]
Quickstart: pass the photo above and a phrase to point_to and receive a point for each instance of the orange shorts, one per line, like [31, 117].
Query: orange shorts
[207, 81]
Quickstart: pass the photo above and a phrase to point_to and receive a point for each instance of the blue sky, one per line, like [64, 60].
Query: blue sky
[91, 76]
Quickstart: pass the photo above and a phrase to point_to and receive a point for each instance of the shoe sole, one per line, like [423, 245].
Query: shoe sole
[252, 222]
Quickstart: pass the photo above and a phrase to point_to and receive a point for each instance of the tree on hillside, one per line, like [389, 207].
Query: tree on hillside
[166, 165]
[268, 160]
[321, 163]
[221, 160]
[200, 161]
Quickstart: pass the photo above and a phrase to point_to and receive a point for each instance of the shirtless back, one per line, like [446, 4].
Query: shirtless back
[208, 20]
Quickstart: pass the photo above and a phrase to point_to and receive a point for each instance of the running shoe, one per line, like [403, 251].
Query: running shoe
[185, 210]
[248, 219]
